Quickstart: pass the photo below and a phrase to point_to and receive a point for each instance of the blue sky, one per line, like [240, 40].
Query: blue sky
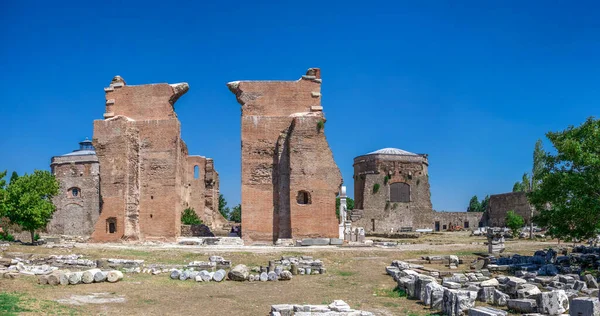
[471, 83]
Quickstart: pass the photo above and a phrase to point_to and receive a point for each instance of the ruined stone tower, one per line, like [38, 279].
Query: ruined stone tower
[289, 178]
[146, 176]
[78, 202]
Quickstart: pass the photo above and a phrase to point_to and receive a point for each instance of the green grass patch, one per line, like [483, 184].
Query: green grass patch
[396, 292]
[10, 304]
[345, 273]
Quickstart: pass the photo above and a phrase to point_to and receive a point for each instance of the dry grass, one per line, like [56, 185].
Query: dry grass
[355, 275]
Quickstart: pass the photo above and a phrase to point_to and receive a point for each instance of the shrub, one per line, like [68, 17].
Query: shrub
[189, 217]
[385, 180]
[36, 237]
[6, 236]
[375, 188]
[320, 125]
[514, 222]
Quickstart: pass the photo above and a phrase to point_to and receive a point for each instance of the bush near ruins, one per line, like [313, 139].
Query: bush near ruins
[320, 125]
[189, 217]
[375, 188]
[27, 200]
[514, 222]
[568, 195]
[223, 209]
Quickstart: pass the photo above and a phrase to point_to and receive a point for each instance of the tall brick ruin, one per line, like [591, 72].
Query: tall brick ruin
[289, 178]
[147, 177]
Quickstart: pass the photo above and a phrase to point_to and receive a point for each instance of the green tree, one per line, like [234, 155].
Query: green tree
[189, 217]
[28, 201]
[2, 190]
[514, 222]
[484, 203]
[538, 165]
[518, 187]
[474, 205]
[14, 176]
[349, 206]
[223, 209]
[568, 195]
[236, 214]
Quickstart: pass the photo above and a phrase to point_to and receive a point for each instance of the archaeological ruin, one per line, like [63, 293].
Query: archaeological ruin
[500, 204]
[391, 191]
[147, 177]
[78, 203]
[289, 178]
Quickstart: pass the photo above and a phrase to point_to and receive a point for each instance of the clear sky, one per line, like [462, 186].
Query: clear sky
[471, 83]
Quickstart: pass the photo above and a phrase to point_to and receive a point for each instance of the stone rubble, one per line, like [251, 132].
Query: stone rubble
[336, 308]
[65, 277]
[533, 289]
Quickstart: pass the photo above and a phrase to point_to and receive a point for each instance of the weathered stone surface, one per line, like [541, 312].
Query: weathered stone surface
[239, 273]
[527, 291]
[433, 291]
[500, 298]
[272, 276]
[175, 274]
[421, 286]
[100, 276]
[288, 170]
[590, 281]
[458, 302]
[553, 303]
[490, 282]
[522, 305]
[486, 311]
[88, 276]
[114, 276]
[264, 277]
[75, 277]
[583, 306]
[219, 275]
[285, 275]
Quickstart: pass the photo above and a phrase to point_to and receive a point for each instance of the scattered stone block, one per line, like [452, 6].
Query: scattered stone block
[522, 305]
[553, 303]
[486, 311]
[583, 306]
[239, 273]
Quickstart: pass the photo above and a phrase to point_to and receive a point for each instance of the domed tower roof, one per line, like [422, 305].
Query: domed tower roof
[392, 151]
[85, 148]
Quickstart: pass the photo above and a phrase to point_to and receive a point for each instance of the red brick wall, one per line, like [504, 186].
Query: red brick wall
[267, 107]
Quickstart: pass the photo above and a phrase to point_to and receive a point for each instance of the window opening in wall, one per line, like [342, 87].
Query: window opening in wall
[303, 197]
[75, 192]
[399, 192]
[466, 225]
[111, 225]
[437, 226]
[196, 172]
[444, 227]
[373, 222]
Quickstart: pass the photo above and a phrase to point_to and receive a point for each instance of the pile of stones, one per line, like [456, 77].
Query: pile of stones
[456, 294]
[303, 265]
[63, 277]
[337, 308]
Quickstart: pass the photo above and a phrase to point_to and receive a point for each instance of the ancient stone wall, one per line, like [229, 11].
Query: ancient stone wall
[468, 220]
[145, 176]
[500, 204]
[78, 202]
[285, 155]
[374, 176]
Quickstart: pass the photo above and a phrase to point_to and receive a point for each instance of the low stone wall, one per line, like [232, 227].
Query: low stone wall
[196, 231]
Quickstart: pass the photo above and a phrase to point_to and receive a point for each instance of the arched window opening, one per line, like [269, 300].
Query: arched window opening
[111, 225]
[196, 172]
[74, 192]
[303, 197]
[399, 192]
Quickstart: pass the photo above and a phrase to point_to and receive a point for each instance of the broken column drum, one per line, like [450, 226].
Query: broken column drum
[289, 177]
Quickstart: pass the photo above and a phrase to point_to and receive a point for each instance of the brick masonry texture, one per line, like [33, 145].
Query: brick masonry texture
[146, 175]
[285, 156]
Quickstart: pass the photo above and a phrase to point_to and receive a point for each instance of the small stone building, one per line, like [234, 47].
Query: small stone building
[391, 191]
[289, 177]
[78, 201]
